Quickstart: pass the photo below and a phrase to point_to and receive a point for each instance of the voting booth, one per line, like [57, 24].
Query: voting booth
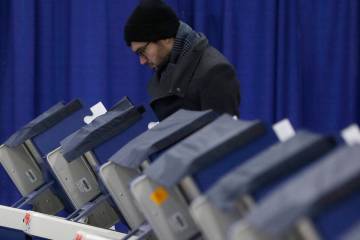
[133, 158]
[192, 166]
[22, 155]
[193, 175]
[321, 202]
[241, 189]
[76, 162]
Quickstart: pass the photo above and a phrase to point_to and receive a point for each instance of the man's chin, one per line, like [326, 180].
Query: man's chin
[152, 67]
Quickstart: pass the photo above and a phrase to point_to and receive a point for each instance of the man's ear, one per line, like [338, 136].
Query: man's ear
[168, 42]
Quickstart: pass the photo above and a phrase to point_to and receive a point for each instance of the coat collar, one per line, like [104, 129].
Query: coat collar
[179, 78]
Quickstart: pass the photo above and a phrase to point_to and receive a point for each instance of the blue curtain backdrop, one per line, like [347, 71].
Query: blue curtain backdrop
[295, 58]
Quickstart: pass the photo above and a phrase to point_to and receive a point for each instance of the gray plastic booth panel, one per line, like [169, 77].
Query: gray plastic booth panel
[81, 186]
[164, 209]
[23, 170]
[212, 221]
[76, 178]
[116, 180]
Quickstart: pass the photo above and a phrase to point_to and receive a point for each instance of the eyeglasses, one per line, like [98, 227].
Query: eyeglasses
[141, 51]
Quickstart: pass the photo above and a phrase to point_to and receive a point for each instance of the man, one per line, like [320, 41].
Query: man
[189, 73]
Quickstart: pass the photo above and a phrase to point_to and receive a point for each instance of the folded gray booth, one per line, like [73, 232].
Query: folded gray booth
[191, 154]
[169, 131]
[43, 122]
[100, 130]
[218, 138]
[260, 171]
[232, 196]
[23, 161]
[124, 166]
[304, 197]
[75, 165]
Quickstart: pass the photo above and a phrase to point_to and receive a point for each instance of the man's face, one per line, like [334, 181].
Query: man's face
[151, 53]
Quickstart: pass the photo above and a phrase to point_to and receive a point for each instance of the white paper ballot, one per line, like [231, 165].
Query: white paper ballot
[284, 130]
[152, 124]
[351, 134]
[97, 110]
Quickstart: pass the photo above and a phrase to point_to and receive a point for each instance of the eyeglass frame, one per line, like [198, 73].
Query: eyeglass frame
[141, 50]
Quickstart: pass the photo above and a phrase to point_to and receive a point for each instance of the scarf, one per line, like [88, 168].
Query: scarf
[184, 40]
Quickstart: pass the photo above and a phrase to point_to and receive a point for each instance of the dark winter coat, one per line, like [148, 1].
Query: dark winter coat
[202, 79]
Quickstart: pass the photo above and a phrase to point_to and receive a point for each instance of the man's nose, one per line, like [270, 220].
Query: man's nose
[143, 60]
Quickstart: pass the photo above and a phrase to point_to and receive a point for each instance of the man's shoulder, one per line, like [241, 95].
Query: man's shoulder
[212, 58]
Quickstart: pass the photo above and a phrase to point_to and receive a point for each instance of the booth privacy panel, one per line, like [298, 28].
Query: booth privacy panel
[307, 193]
[76, 178]
[177, 126]
[203, 147]
[98, 131]
[22, 168]
[43, 122]
[274, 162]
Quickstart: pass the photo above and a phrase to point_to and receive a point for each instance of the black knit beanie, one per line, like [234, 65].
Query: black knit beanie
[151, 20]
